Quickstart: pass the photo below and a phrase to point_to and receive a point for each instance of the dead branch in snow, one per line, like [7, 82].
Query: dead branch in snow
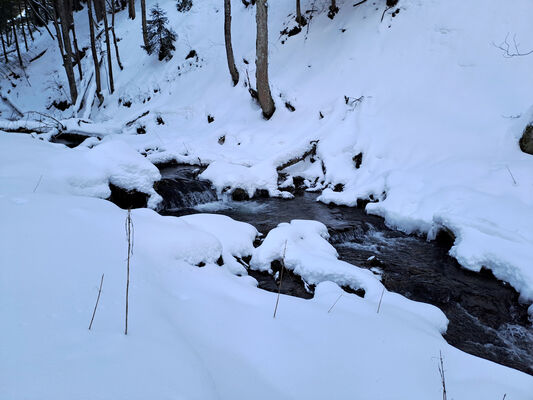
[510, 50]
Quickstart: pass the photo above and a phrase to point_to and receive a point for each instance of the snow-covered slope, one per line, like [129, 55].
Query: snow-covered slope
[437, 123]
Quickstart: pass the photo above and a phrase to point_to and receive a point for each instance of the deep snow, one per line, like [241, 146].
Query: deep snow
[437, 125]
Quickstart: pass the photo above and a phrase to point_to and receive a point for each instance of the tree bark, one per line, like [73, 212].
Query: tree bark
[143, 22]
[108, 46]
[93, 51]
[229, 48]
[17, 43]
[261, 60]
[4, 46]
[62, 9]
[114, 35]
[299, 18]
[99, 8]
[22, 26]
[131, 9]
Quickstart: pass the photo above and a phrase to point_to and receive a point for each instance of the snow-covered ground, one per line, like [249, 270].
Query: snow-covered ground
[437, 123]
[200, 333]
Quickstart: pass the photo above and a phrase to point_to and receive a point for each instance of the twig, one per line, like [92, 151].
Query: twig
[510, 51]
[97, 300]
[129, 237]
[280, 279]
[510, 173]
[442, 377]
[381, 298]
[333, 305]
[383, 15]
[358, 4]
[38, 183]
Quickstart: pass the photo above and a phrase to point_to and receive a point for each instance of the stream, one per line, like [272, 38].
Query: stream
[486, 318]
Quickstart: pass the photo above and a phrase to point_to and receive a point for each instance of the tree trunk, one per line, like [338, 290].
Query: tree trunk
[114, 35]
[99, 7]
[229, 48]
[93, 51]
[76, 49]
[261, 60]
[131, 9]
[299, 18]
[108, 46]
[28, 20]
[22, 26]
[62, 9]
[4, 46]
[143, 18]
[17, 43]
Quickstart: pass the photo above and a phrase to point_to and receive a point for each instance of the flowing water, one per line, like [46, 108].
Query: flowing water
[486, 318]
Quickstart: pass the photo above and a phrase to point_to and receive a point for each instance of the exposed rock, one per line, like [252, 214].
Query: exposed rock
[526, 141]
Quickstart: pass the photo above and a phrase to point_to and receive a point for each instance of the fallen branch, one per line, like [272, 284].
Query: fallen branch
[38, 55]
[292, 161]
[144, 114]
[509, 50]
[280, 279]
[11, 105]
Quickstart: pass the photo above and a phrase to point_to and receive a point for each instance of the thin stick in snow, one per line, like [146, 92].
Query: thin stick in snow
[381, 298]
[280, 279]
[442, 377]
[129, 237]
[510, 173]
[38, 183]
[333, 305]
[97, 300]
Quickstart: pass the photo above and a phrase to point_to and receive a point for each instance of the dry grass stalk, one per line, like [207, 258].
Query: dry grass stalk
[280, 279]
[97, 300]
[129, 237]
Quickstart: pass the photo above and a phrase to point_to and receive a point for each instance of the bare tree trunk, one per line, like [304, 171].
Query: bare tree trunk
[4, 46]
[22, 26]
[114, 35]
[131, 9]
[76, 49]
[108, 46]
[28, 20]
[17, 43]
[61, 7]
[59, 37]
[229, 48]
[99, 9]
[143, 18]
[93, 51]
[299, 18]
[261, 60]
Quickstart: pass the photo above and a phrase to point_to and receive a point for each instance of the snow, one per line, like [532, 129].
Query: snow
[199, 333]
[439, 114]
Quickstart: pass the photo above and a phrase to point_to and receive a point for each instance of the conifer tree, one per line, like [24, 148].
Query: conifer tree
[160, 38]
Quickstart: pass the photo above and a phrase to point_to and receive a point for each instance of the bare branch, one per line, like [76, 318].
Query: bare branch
[510, 50]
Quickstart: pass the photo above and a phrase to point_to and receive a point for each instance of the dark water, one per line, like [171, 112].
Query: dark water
[485, 316]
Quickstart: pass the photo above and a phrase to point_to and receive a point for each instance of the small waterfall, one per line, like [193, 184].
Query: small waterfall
[181, 189]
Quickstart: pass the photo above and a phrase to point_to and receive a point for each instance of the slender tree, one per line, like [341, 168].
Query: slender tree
[93, 51]
[299, 17]
[131, 9]
[21, 25]
[261, 60]
[143, 23]
[70, 20]
[114, 35]
[3, 46]
[99, 9]
[17, 43]
[229, 48]
[27, 11]
[108, 47]
[62, 9]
